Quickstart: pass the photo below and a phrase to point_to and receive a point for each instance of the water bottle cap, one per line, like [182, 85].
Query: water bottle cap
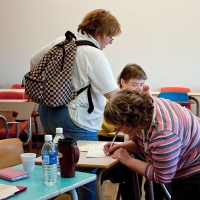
[48, 137]
[59, 130]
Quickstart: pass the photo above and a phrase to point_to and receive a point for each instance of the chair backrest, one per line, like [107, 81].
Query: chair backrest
[175, 89]
[5, 117]
[175, 96]
[10, 128]
[10, 150]
[17, 86]
[12, 95]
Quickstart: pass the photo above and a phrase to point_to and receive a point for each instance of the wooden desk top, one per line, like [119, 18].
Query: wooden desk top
[24, 109]
[101, 162]
[13, 100]
[12, 90]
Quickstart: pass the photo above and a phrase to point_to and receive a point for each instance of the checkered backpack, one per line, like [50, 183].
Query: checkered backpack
[50, 82]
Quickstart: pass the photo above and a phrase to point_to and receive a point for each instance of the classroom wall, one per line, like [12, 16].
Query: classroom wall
[161, 36]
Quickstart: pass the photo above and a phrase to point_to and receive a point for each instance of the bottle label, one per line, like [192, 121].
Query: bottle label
[49, 158]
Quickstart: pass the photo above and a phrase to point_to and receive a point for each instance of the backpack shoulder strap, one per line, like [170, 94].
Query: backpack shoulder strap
[85, 42]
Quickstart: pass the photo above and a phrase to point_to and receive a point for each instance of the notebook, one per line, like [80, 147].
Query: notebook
[13, 174]
[10, 190]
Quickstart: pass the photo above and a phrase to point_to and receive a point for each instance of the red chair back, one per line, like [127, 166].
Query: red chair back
[17, 86]
[12, 95]
[8, 114]
[175, 89]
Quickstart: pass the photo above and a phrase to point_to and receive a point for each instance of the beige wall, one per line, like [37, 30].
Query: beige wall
[161, 36]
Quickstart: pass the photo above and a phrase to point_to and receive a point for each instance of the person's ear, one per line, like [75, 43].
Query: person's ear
[122, 82]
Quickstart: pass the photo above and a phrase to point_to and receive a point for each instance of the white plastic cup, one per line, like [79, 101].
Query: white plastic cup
[28, 161]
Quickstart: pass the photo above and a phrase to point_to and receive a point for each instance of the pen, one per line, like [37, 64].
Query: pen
[112, 142]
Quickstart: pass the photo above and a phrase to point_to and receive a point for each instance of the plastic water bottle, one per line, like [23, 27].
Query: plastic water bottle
[59, 134]
[49, 162]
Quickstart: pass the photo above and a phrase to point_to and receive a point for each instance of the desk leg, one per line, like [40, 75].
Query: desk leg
[29, 141]
[73, 194]
[98, 188]
[136, 186]
[150, 189]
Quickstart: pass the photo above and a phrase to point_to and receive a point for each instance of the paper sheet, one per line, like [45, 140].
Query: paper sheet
[86, 147]
[95, 151]
[7, 190]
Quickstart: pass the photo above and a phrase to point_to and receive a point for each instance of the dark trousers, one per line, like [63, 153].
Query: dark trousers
[122, 174]
[186, 189]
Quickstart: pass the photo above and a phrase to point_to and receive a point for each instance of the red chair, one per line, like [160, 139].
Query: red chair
[10, 128]
[34, 114]
[186, 90]
[176, 89]
[17, 95]
[12, 95]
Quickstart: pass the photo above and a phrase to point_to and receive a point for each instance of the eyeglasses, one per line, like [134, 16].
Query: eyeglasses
[117, 128]
[111, 39]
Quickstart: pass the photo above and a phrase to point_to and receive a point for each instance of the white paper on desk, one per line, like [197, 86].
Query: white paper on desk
[7, 190]
[95, 151]
[86, 147]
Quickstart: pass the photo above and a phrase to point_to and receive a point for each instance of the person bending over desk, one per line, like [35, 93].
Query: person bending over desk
[131, 77]
[165, 132]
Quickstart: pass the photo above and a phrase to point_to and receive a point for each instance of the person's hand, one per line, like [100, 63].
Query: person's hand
[146, 89]
[122, 155]
[107, 150]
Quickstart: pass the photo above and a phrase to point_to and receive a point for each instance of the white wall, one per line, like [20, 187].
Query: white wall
[161, 36]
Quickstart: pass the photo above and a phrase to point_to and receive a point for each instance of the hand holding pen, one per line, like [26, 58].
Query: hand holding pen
[112, 143]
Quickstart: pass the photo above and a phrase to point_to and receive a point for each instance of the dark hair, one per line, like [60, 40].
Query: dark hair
[99, 22]
[129, 107]
[131, 71]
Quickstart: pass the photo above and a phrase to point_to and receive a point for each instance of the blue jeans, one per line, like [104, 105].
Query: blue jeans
[53, 117]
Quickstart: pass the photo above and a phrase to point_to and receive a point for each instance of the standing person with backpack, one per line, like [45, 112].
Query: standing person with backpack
[90, 66]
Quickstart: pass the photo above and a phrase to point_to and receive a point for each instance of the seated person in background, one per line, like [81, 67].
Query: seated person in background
[165, 132]
[132, 77]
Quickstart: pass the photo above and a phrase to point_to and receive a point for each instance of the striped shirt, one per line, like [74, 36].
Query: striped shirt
[90, 66]
[172, 144]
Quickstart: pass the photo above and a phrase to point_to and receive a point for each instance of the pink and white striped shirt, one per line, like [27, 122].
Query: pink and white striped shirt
[172, 145]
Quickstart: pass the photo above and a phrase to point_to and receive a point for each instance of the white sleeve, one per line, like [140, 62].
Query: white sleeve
[101, 76]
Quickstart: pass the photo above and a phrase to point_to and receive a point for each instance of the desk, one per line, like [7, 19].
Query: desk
[103, 164]
[24, 110]
[12, 90]
[13, 100]
[37, 190]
